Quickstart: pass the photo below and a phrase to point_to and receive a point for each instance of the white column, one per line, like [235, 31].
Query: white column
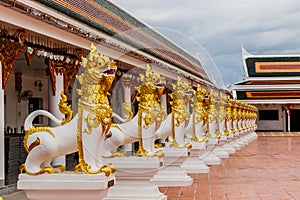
[163, 100]
[127, 98]
[53, 108]
[127, 95]
[289, 120]
[2, 143]
[54, 99]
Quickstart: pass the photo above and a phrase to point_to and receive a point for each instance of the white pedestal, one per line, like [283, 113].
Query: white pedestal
[197, 147]
[62, 186]
[251, 136]
[208, 155]
[233, 143]
[229, 148]
[171, 174]
[254, 136]
[133, 179]
[219, 150]
[241, 141]
[193, 164]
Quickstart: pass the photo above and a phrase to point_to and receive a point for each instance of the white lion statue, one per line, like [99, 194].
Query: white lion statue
[143, 126]
[87, 130]
[178, 122]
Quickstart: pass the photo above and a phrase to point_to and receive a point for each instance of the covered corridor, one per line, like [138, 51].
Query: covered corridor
[268, 168]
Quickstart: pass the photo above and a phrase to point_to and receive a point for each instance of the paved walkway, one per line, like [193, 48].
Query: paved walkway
[266, 169]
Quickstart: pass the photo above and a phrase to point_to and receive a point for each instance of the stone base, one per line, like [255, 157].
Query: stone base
[62, 186]
[171, 174]
[242, 141]
[133, 179]
[134, 190]
[134, 167]
[221, 152]
[193, 164]
[229, 148]
[196, 149]
[254, 136]
[174, 156]
[235, 145]
[212, 141]
[209, 157]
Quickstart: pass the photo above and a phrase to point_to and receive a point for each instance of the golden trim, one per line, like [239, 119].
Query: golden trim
[31, 131]
[116, 126]
[180, 107]
[61, 168]
[150, 110]
[127, 111]
[95, 84]
[65, 109]
[9, 52]
[34, 144]
[49, 170]
[273, 94]
[259, 65]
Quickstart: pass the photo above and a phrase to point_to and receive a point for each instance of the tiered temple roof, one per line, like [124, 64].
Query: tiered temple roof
[269, 79]
[112, 20]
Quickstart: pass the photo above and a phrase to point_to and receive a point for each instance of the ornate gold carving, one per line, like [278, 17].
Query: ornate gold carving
[180, 106]
[34, 144]
[61, 168]
[199, 111]
[28, 57]
[127, 111]
[228, 116]
[68, 70]
[212, 112]
[150, 111]
[117, 154]
[9, 52]
[62, 67]
[95, 83]
[116, 126]
[65, 109]
[234, 114]
[98, 115]
[221, 113]
[32, 130]
[83, 166]
[49, 170]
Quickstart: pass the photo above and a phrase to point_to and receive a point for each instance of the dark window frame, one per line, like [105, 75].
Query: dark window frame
[268, 115]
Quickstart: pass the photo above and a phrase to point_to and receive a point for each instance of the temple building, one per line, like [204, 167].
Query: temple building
[41, 45]
[272, 83]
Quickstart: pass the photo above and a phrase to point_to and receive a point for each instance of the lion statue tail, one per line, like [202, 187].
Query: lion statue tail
[29, 119]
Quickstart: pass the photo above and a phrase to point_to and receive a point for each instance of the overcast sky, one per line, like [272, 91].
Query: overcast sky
[221, 27]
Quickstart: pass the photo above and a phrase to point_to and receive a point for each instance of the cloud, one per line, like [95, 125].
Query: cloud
[221, 27]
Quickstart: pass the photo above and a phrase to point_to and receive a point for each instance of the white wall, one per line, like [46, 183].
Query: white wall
[272, 125]
[16, 112]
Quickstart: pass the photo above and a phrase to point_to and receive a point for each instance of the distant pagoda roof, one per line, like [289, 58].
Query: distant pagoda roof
[269, 79]
[113, 21]
[270, 65]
